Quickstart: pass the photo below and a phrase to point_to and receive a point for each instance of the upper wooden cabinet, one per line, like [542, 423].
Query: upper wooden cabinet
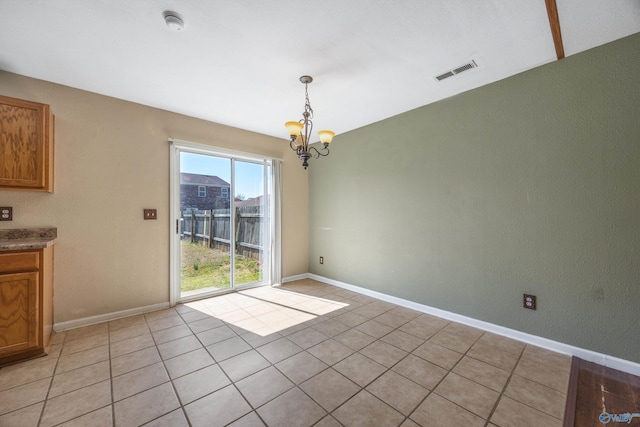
[26, 145]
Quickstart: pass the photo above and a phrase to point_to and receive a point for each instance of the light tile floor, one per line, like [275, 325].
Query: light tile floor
[302, 354]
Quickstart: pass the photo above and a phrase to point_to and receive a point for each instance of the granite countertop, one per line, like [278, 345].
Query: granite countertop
[27, 238]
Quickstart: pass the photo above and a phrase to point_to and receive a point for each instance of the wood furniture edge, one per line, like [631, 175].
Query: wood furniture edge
[48, 132]
[44, 309]
[572, 394]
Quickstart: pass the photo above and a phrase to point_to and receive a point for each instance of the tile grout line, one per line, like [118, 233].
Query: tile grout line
[537, 382]
[388, 369]
[506, 384]
[305, 350]
[453, 367]
[312, 326]
[53, 374]
[113, 403]
[24, 384]
[162, 360]
[140, 368]
[182, 406]
[533, 381]
[233, 383]
[297, 386]
[223, 371]
[433, 390]
[60, 395]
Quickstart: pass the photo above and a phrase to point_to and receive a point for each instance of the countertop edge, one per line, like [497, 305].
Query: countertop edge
[18, 245]
[27, 238]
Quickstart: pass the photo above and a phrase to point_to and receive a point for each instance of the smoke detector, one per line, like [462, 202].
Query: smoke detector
[173, 20]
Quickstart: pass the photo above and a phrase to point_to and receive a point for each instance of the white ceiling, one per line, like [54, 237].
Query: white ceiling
[237, 62]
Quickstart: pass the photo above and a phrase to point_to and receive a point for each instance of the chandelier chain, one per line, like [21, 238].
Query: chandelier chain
[307, 103]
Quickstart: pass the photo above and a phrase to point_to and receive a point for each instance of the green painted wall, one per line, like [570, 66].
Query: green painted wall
[527, 185]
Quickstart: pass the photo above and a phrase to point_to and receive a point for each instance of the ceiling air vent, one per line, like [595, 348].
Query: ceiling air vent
[458, 70]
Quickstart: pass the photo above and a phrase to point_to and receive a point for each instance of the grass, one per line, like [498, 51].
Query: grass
[206, 268]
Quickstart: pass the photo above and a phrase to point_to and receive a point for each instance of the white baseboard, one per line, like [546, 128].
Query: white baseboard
[294, 278]
[559, 347]
[91, 320]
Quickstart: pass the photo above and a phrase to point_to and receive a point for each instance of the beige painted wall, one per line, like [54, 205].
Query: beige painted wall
[111, 161]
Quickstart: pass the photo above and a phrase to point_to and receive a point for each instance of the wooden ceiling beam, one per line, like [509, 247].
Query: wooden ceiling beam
[554, 22]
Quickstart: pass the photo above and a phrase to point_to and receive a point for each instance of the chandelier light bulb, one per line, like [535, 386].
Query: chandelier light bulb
[326, 136]
[293, 128]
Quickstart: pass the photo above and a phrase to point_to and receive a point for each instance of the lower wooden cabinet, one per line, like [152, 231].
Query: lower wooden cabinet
[26, 303]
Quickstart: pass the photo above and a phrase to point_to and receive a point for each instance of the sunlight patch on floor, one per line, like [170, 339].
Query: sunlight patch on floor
[266, 310]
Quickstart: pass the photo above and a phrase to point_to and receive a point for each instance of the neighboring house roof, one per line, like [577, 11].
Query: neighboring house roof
[196, 179]
[254, 201]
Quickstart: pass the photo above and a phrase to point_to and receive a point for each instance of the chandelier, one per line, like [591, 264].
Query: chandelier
[300, 131]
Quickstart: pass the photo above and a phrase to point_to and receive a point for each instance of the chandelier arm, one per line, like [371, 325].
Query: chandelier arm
[324, 153]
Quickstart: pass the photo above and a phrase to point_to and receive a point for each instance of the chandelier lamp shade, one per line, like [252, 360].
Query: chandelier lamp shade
[300, 131]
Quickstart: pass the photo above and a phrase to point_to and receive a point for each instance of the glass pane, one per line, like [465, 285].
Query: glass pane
[251, 223]
[205, 223]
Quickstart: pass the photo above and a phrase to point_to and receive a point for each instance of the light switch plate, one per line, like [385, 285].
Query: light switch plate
[150, 214]
[6, 213]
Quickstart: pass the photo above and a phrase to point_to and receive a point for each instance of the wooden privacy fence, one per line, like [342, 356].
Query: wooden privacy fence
[212, 228]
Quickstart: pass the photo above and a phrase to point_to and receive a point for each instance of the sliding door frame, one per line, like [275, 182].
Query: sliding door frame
[273, 203]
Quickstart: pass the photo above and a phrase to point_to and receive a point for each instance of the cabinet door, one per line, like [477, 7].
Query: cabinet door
[25, 145]
[18, 312]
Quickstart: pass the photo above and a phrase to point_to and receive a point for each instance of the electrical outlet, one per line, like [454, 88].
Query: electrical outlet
[321, 260]
[6, 213]
[529, 301]
[150, 214]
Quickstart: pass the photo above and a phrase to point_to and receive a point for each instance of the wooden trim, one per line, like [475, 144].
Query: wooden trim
[46, 274]
[554, 22]
[572, 394]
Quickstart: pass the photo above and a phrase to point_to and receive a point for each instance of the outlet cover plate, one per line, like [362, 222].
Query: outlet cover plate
[150, 214]
[529, 301]
[6, 213]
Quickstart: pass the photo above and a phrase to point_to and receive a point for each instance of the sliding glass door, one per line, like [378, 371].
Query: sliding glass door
[250, 205]
[223, 208]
